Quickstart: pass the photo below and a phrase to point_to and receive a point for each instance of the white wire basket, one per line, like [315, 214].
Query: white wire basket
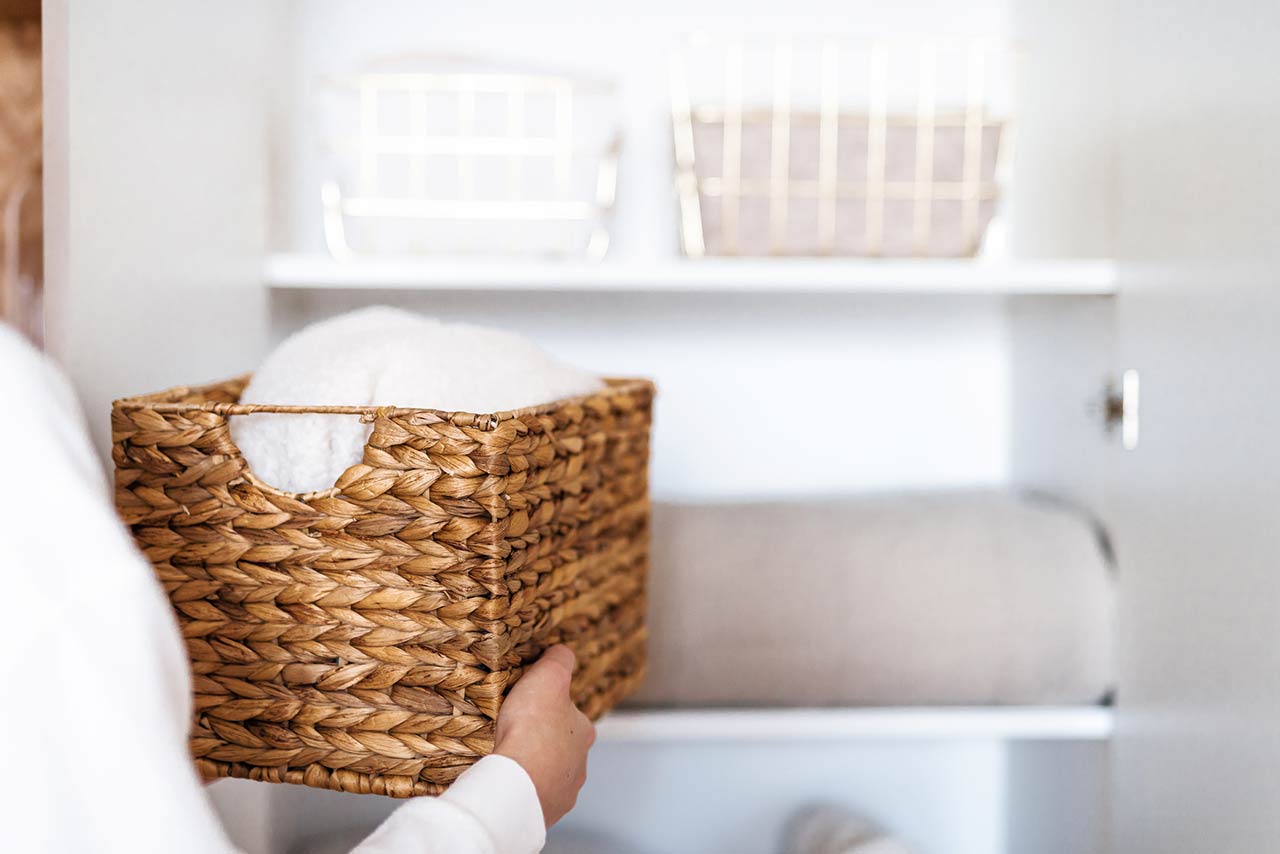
[876, 149]
[448, 156]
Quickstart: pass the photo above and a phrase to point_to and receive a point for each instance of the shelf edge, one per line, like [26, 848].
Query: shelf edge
[1084, 277]
[1084, 723]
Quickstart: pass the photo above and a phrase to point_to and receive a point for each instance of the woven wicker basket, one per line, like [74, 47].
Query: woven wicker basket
[362, 638]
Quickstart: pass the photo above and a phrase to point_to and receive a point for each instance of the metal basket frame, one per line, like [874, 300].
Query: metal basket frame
[730, 188]
[515, 145]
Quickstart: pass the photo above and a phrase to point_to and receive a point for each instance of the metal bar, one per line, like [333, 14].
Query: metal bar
[607, 175]
[828, 146]
[368, 134]
[975, 123]
[606, 194]
[417, 131]
[761, 188]
[466, 130]
[922, 220]
[878, 91]
[731, 151]
[335, 232]
[780, 148]
[713, 114]
[515, 132]
[484, 82]
[564, 140]
[463, 145]
[691, 238]
[481, 209]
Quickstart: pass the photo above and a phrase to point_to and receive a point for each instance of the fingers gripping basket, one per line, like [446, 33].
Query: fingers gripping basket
[362, 638]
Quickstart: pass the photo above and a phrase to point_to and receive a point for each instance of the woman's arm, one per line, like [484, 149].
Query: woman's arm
[93, 732]
[503, 803]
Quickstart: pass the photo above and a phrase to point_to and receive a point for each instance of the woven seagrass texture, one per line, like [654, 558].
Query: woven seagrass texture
[362, 638]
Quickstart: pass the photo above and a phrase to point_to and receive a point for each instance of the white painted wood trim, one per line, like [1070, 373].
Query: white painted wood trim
[1085, 723]
[709, 275]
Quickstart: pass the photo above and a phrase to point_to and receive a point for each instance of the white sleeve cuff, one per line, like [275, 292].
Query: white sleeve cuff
[498, 792]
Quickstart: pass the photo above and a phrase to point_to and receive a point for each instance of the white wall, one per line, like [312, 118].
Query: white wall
[1196, 504]
[767, 396]
[1063, 195]
[156, 164]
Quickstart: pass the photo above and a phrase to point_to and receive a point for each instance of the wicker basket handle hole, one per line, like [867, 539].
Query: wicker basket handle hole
[365, 415]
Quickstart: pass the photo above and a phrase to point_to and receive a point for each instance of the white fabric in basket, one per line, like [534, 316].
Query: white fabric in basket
[383, 356]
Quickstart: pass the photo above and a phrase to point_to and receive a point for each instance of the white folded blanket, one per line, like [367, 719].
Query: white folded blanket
[384, 357]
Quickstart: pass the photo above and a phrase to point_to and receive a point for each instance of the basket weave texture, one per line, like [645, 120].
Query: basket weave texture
[362, 638]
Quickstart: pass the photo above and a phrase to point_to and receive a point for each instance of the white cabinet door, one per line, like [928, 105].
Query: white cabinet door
[1195, 507]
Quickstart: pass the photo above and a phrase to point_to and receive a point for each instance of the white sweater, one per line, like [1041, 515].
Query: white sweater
[96, 699]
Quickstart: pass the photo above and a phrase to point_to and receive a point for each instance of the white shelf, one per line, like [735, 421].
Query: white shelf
[1073, 723]
[711, 275]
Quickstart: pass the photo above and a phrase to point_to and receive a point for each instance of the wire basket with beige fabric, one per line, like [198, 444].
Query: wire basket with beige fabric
[362, 638]
[866, 150]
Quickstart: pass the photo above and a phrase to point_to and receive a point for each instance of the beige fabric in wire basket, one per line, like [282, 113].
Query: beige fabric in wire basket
[362, 638]
[873, 205]
[906, 164]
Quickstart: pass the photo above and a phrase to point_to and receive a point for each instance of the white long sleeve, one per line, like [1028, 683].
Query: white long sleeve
[97, 698]
[492, 807]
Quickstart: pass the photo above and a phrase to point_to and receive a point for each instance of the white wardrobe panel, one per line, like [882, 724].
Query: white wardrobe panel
[1060, 204]
[1061, 361]
[1195, 505]
[156, 214]
[939, 797]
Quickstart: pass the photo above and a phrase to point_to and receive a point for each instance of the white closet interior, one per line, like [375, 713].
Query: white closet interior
[940, 374]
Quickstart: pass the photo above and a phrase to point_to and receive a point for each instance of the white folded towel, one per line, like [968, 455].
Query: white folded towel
[833, 829]
[383, 356]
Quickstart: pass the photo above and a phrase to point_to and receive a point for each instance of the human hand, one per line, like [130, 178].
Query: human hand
[541, 729]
